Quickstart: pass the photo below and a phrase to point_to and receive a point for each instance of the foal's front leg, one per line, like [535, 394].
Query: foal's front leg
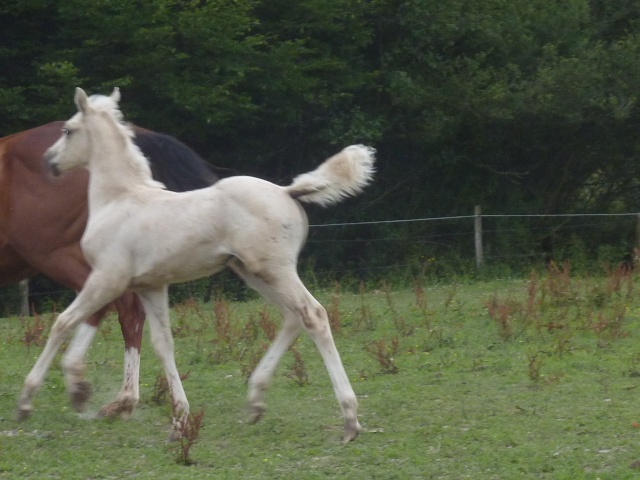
[131, 317]
[156, 306]
[78, 387]
[91, 298]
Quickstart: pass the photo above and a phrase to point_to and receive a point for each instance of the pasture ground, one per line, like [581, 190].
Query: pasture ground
[509, 379]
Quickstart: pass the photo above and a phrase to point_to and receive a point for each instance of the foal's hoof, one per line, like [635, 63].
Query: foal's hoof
[175, 434]
[80, 395]
[351, 432]
[255, 413]
[23, 413]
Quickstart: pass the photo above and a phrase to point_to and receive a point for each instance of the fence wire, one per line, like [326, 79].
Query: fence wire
[376, 249]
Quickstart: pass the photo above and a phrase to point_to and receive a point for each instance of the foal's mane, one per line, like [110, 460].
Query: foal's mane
[137, 160]
[107, 104]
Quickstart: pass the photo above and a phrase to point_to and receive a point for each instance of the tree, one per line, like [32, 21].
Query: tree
[518, 105]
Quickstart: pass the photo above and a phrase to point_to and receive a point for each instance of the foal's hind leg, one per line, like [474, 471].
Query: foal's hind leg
[261, 376]
[316, 322]
[299, 308]
[263, 373]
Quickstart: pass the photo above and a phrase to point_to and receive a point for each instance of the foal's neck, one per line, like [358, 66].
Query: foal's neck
[116, 166]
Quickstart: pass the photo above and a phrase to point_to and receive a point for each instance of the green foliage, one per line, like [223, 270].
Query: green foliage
[519, 106]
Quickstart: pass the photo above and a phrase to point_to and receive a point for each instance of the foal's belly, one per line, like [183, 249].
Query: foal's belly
[178, 269]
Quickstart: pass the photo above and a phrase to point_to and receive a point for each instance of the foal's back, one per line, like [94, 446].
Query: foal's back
[195, 234]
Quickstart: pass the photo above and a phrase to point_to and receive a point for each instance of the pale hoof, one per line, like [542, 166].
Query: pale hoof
[351, 432]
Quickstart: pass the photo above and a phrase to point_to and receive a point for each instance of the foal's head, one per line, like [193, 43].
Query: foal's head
[73, 148]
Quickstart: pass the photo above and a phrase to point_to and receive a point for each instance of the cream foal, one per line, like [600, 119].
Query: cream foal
[142, 237]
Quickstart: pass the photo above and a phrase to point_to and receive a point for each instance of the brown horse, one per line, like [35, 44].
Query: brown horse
[42, 219]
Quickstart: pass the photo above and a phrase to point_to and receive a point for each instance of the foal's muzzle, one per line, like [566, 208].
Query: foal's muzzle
[50, 165]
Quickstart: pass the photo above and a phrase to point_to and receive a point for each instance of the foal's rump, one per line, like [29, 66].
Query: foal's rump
[265, 225]
[262, 217]
[259, 219]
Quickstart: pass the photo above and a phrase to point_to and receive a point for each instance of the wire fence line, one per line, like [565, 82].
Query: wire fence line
[484, 215]
[382, 248]
[480, 230]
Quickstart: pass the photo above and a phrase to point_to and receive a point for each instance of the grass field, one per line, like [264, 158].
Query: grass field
[532, 378]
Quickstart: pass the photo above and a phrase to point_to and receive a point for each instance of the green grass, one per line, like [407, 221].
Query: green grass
[536, 378]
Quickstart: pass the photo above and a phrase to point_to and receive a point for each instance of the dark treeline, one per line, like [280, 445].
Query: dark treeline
[521, 106]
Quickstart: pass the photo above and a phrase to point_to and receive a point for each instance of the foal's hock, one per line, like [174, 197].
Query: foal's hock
[250, 225]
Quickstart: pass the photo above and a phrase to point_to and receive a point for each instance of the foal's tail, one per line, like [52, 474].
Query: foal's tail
[343, 175]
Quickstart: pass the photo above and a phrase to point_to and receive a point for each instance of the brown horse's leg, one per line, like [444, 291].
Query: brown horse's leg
[131, 316]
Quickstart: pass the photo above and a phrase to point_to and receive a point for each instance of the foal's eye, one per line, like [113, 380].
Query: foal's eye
[66, 131]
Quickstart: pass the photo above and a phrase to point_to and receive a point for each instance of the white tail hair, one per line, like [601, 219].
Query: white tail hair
[343, 175]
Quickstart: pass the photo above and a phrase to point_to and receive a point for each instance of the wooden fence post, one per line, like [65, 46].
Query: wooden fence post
[24, 297]
[478, 235]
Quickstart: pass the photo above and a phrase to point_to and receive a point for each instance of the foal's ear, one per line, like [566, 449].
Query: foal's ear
[115, 95]
[81, 99]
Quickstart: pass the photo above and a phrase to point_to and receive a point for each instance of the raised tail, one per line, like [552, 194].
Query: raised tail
[343, 175]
